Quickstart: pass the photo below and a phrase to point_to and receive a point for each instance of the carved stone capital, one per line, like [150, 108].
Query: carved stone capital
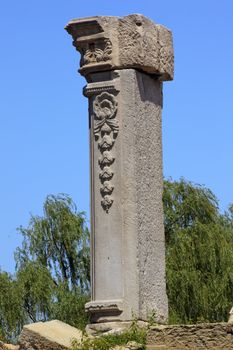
[109, 43]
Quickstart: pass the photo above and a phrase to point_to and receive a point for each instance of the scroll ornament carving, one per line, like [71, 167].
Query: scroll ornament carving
[106, 128]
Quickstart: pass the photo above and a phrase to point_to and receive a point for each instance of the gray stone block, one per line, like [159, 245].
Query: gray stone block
[51, 335]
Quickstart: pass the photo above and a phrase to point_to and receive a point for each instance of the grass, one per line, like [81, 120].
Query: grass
[105, 342]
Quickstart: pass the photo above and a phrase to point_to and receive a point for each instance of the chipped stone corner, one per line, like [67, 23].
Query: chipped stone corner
[51, 335]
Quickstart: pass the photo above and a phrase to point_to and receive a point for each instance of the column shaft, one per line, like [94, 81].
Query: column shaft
[128, 264]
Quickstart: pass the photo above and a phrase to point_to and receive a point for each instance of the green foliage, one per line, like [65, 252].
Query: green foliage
[52, 270]
[199, 254]
[36, 286]
[108, 341]
[52, 265]
[69, 307]
[184, 204]
[151, 318]
[59, 241]
[11, 315]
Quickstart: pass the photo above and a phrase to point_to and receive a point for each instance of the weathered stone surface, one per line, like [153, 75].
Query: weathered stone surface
[134, 41]
[211, 336]
[128, 250]
[52, 335]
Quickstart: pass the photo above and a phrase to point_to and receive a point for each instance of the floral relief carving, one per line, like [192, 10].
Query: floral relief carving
[106, 128]
[106, 174]
[106, 188]
[106, 143]
[94, 54]
[106, 159]
[105, 108]
[106, 203]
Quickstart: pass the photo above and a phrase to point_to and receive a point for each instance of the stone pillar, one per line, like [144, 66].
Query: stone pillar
[124, 61]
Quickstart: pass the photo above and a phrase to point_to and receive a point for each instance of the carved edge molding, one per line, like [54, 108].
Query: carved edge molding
[102, 305]
[105, 130]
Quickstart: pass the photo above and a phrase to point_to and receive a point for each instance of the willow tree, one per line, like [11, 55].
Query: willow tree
[53, 265]
[11, 312]
[58, 240]
[52, 275]
[52, 270]
[199, 254]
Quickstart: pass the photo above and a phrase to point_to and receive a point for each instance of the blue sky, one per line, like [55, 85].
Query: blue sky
[44, 123]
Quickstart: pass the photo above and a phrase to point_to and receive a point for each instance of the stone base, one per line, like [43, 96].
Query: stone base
[104, 310]
[95, 329]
